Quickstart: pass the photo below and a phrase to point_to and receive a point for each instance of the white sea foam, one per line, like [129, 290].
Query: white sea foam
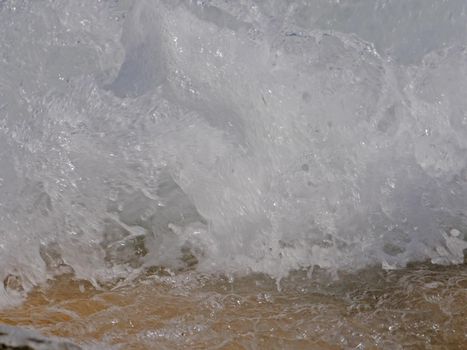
[233, 136]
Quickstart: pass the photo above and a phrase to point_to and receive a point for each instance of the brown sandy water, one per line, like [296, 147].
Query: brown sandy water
[420, 307]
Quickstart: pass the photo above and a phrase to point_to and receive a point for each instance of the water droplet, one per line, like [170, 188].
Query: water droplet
[455, 232]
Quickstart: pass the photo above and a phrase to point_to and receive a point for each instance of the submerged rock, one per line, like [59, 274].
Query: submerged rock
[14, 338]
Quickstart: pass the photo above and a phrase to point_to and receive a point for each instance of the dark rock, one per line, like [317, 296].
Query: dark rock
[14, 338]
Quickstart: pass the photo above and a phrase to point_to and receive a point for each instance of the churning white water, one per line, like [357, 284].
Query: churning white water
[229, 136]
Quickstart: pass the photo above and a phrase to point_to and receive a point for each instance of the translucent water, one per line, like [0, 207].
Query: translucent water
[421, 307]
[229, 137]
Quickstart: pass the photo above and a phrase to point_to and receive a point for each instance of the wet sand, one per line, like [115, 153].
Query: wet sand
[420, 307]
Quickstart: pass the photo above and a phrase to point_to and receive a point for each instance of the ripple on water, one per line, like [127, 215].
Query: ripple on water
[421, 306]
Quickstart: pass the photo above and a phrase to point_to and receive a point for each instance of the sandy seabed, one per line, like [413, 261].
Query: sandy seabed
[419, 307]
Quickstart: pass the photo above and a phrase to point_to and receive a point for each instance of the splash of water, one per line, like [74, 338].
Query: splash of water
[229, 136]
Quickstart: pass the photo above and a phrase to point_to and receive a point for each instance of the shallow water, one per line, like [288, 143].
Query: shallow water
[420, 307]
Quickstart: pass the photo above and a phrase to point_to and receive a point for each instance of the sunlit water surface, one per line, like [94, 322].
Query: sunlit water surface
[420, 307]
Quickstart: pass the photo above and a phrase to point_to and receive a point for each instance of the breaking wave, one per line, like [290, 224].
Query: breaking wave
[229, 137]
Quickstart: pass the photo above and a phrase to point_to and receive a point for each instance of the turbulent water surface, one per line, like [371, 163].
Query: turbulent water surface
[236, 139]
[421, 307]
